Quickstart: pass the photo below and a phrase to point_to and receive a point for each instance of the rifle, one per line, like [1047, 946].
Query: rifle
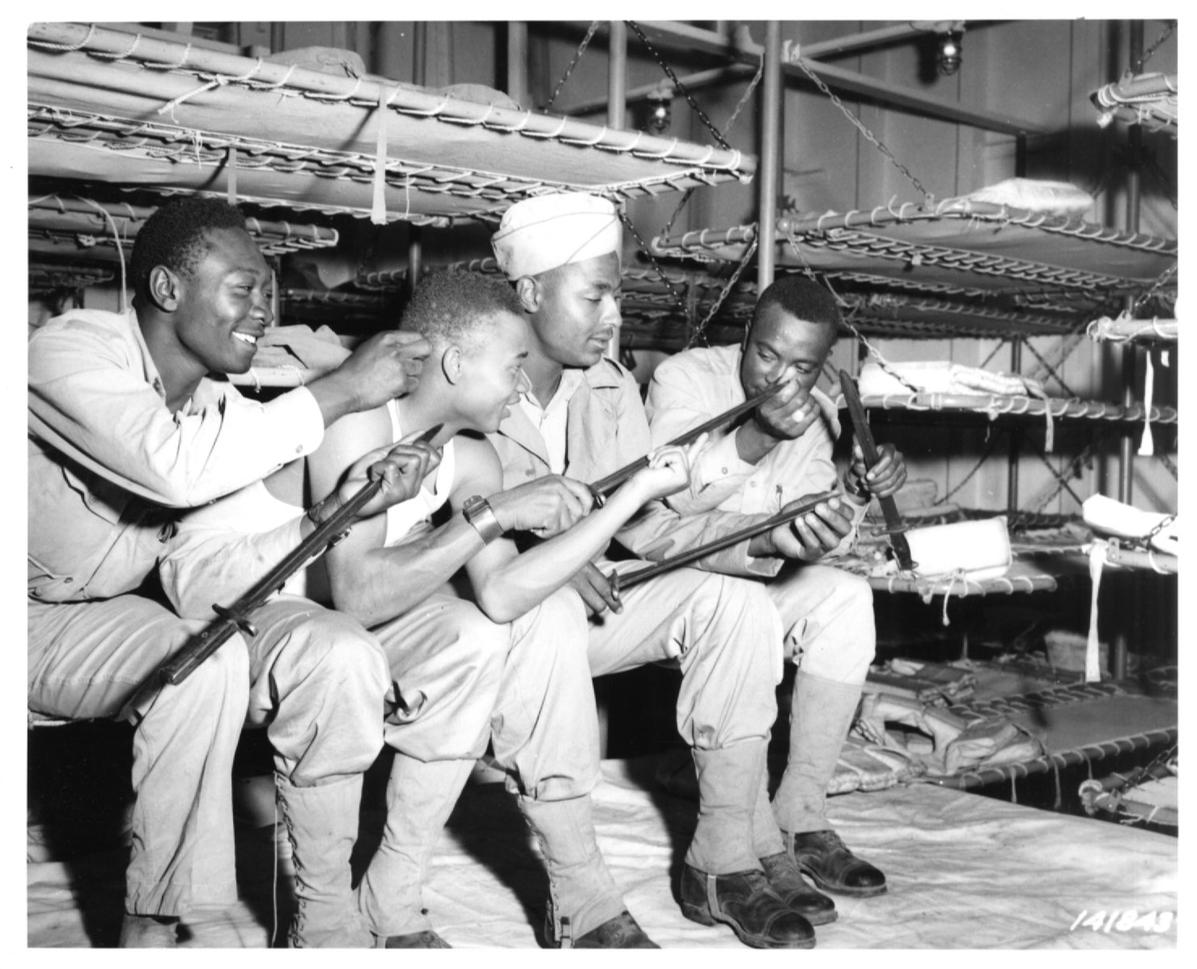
[235, 618]
[787, 514]
[889, 508]
[603, 486]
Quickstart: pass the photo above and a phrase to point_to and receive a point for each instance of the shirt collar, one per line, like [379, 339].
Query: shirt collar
[148, 367]
[571, 380]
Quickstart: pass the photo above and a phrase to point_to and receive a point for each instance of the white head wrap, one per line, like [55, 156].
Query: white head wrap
[547, 231]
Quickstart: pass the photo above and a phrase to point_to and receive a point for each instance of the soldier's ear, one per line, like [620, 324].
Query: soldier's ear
[530, 293]
[451, 364]
[165, 288]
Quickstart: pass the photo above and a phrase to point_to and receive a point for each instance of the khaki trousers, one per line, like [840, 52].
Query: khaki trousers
[313, 677]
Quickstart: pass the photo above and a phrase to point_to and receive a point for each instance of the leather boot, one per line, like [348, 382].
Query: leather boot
[830, 864]
[321, 825]
[621, 932]
[583, 898]
[420, 797]
[780, 869]
[744, 901]
[722, 880]
[786, 880]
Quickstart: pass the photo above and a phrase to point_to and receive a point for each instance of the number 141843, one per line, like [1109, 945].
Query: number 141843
[1123, 920]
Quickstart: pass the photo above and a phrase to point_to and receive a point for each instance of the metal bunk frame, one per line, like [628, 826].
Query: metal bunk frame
[91, 110]
[99, 227]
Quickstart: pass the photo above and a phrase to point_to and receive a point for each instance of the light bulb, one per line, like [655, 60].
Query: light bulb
[951, 51]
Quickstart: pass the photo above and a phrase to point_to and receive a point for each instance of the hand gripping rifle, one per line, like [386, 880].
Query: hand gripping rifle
[868, 447]
[604, 486]
[786, 515]
[235, 618]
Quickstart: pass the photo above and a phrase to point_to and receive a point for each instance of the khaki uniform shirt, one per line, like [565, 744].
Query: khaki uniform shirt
[695, 385]
[606, 428]
[109, 464]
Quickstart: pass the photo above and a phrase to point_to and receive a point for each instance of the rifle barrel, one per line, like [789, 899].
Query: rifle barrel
[732, 538]
[606, 484]
[207, 641]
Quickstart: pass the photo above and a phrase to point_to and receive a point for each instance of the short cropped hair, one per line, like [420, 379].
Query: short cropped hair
[452, 307]
[176, 236]
[802, 297]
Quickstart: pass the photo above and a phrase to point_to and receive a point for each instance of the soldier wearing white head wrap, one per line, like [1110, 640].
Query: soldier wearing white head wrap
[583, 417]
[548, 231]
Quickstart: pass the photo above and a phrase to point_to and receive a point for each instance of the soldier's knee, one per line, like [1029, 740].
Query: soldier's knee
[856, 589]
[480, 642]
[343, 650]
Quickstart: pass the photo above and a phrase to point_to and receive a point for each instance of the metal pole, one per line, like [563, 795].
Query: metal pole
[517, 62]
[415, 258]
[419, 52]
[617, 76]
[1126, 457]
[1119, 648]
[617, 114]
[768, 174]
[1015, 437]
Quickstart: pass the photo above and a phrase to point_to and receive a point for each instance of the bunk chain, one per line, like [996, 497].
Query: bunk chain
[678, 298]
[1146, 55]
[1167, 463]
[700, 330]
[1155, 287]
[664, 233]
[677, 83]
[594, 25]
[1163, 523]
[727, 128]
[760, 72]
[731, 121]
[869, 136]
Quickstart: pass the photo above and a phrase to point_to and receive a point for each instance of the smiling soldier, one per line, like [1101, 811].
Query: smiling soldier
[127, 428]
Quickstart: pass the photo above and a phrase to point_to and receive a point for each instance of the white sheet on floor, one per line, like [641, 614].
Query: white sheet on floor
[964, 871]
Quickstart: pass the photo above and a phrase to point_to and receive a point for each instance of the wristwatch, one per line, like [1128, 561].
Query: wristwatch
[478, 512]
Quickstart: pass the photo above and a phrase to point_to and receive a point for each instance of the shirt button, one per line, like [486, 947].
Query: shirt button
[299, 449]
[724, 470]
[68, 580]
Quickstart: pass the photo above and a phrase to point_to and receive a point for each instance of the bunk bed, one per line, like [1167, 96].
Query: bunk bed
[114, 113]
[109, 104]
[990, 269]
[1151, 100]
[59, 224]
[981, 251]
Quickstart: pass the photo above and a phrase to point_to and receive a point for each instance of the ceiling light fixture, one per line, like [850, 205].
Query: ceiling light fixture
[951, 51]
